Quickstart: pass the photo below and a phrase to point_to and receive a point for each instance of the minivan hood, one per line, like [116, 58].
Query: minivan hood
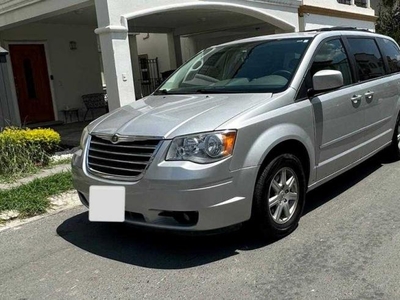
[173, 115]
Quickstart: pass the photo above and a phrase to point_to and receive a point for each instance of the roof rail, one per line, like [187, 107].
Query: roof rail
[338, 28]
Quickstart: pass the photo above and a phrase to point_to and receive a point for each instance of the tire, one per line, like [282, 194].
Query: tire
[395, 146]
[277, 207]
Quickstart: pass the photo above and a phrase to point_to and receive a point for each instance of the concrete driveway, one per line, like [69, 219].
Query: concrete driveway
[346, 247]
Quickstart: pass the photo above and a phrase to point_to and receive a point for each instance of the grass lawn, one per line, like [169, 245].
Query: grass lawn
[32, 199]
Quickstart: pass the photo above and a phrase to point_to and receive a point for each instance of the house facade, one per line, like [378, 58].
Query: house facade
[61, 50]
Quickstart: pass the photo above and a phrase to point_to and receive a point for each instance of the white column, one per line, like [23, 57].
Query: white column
[189, 48]
[178, 50]
[135, 65]
[174, 50]
[117, 66]
[171, 50]
[116, 55]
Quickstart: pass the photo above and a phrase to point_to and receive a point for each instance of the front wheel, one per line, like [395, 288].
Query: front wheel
[279, 197]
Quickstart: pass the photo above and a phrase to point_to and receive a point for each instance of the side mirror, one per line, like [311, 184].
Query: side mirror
[325, 80]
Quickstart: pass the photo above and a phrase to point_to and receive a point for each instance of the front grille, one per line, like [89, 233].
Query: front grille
[126, 159]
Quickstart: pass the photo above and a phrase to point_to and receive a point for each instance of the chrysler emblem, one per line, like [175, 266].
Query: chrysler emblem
[114, 139]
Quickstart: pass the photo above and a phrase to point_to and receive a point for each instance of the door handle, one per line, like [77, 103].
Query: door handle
[356, 99]
[369, 95]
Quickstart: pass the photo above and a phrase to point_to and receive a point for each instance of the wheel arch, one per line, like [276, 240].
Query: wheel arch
[262, 216]
[290, 146]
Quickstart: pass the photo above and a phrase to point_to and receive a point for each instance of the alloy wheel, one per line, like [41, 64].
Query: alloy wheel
[283, 195]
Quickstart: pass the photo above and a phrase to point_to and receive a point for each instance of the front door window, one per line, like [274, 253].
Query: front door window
[332, 56]
[30, 84]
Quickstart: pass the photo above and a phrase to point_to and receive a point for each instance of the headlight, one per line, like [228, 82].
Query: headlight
[202, 148]
[84, 137]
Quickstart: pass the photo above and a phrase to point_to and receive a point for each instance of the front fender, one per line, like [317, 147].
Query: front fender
[258, 136]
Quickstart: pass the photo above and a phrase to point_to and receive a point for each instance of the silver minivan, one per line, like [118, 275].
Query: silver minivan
[242, 131]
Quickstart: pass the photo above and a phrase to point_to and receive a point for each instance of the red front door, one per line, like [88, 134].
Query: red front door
[32, 83]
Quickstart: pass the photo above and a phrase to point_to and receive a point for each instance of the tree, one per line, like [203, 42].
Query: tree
[388, 22]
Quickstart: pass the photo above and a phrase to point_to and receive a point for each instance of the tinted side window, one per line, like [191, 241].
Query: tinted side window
[368, 58]
[332, 56]
[392, 53]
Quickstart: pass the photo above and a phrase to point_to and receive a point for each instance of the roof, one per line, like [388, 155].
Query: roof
[338, 28]
[307, 34]
[273, 37]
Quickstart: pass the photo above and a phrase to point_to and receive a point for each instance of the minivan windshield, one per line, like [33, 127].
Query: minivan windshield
[252, 67]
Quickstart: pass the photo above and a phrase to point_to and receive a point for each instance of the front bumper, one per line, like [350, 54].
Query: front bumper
[217, 196]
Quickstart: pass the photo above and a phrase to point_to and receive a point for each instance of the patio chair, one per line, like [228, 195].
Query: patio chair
[95, 101]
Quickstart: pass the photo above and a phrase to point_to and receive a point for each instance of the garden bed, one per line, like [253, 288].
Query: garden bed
[26, 151]
[34, 170]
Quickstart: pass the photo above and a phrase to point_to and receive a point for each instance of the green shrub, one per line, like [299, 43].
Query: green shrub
[23, 150]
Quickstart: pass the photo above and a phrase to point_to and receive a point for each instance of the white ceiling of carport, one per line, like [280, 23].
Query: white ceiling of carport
[188, 22]
[183, 22]
[84, 16]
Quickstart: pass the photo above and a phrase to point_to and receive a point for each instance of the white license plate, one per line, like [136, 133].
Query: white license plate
[107, 204]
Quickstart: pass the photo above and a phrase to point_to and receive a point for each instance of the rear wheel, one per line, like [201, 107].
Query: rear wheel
[395, 147]
[279, 197]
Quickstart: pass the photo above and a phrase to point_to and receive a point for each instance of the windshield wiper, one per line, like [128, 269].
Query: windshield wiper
[161, 92]
[199, 91]
[211, 91]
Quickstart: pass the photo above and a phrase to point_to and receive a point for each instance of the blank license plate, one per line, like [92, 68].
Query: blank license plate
[107, 204]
